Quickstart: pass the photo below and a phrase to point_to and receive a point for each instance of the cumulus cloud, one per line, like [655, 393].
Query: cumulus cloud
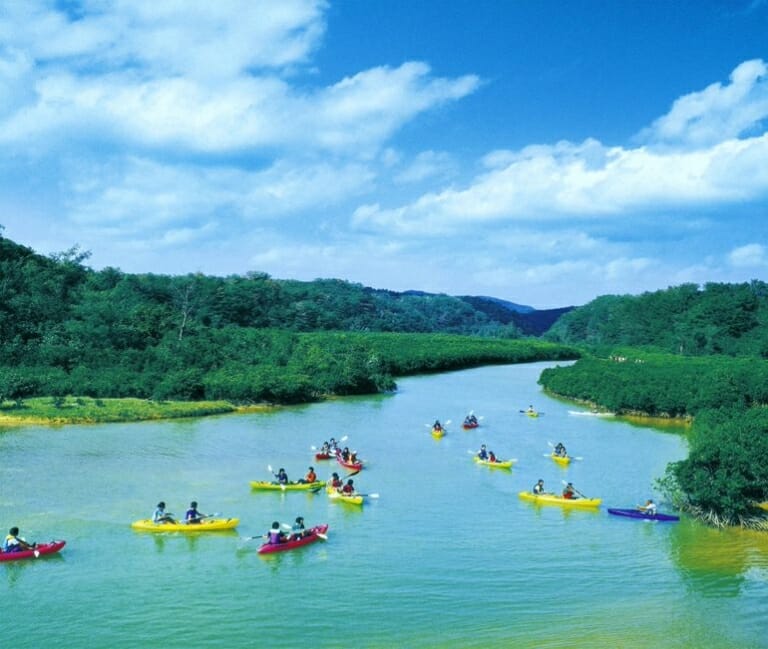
[591, 180]
[717, 113]
[426, 165]
[753, 255]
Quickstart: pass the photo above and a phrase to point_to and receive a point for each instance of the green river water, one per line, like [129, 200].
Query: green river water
[447, 556]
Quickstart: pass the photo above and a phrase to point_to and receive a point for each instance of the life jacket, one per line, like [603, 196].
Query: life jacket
[275, 536]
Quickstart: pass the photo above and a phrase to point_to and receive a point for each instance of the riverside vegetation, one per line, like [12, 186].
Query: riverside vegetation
[147, 346]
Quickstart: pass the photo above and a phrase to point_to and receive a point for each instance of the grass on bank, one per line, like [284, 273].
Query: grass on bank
[85, 410]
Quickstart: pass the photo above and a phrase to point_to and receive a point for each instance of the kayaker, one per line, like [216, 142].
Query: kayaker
[345, 454]
[161, 516]
[334, 444]
[560, 450]
[193, 517]
[482, 453]
[538, 488]
[275, 535]
[349, 488]
[310, 477]
[437, 425]
[326, 449]
[15, 543]
[335, 481]
[649, 508]
[569, 492]
[530, 410]
[281, 476]
[298, 531]
[492, 457]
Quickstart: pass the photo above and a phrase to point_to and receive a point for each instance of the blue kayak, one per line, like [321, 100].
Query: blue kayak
[634, 513]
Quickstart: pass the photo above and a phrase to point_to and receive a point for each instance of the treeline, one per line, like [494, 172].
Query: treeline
[662, 385]
[726, 471]
[66, 329]
[726, 319]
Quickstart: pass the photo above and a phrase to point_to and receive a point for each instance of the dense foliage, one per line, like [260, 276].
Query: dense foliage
[726, 471]
[66, 329]
[662, 384]
[716, 319]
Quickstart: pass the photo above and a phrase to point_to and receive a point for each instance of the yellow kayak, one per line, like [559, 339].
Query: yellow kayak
[499, 464]
[206, 525]
[553, 499]
[561, 460]
[340, 497]
[437, 433]
[262, 485]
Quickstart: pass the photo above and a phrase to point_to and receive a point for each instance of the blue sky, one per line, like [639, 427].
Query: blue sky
[541, 152]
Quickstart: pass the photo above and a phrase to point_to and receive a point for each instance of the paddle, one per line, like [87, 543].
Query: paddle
[575, 489]
[201, 517]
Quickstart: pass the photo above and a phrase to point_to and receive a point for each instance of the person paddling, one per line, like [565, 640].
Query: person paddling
[538, 488]
[649, 508]
[281, 476]
[275, 535]
[160, 516]
[569, 492]
[193, 517]
[482, 453]
[310, 477]
[349, 488]
[15, 543]
[298, 531]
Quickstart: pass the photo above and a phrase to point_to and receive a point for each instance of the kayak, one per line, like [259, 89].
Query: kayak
[634, 513]
[531, 413]
[322, 456]
[40, 550]
[340, 497]
[561, 460]
[437, 434]
[499, 464]
[553, 499]
[206, 525]
[470, 426]
[262, 485]
[314, 532]
[355, 466]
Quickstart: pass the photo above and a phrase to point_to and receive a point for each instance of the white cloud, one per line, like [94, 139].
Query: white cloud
[753, 255]
[717, 113]
[585, 180]
[426, 165]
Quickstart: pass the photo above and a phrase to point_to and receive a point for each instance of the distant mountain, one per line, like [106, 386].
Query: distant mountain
[530, 321]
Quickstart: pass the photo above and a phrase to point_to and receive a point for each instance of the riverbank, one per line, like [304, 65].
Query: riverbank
[59, 411]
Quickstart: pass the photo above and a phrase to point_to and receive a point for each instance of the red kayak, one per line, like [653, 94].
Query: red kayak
[314, 535]
[470, 426]
[355, 466]
[40, 550]
[322, 456]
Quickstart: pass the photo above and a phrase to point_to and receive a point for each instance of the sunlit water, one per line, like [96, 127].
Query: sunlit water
[447, 556]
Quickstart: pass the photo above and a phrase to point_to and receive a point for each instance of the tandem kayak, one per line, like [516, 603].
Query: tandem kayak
[355, 499]
[562, 460]
[323, 456]
[41, 549]
[553, 499]
[470, 425]
[314, 535]
[355, 466]
[438, 433]
[499, 464]
[262, 485]
[206, 525]
[634, 513]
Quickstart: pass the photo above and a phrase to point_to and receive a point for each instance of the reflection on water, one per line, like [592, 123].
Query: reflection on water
[714, 562]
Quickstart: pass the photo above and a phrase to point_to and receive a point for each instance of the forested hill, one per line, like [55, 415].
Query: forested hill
[714, 319]
[54, 299]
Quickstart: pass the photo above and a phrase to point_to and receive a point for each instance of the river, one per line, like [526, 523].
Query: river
[447, 556]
